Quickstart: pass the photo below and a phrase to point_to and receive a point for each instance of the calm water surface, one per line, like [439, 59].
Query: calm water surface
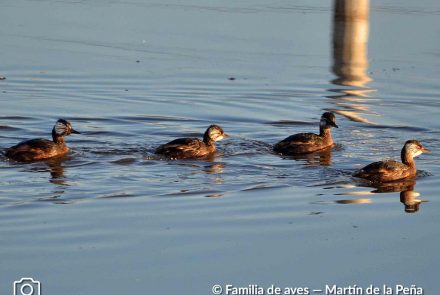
[111, 218]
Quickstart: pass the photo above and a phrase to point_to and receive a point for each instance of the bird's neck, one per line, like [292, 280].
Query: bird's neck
[325, 132]
[208, 140]
[407, 159]
[58, 139]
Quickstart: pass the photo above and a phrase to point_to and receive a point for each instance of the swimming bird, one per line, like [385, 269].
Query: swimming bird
[184, 148]
[303, 143]
[390, 170]
[40, 148]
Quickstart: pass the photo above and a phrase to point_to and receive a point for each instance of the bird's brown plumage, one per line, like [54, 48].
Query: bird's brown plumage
[385, 171]
[303, 143]
[184, 148]
[40, 148]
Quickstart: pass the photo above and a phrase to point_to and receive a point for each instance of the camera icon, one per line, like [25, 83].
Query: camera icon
[27, 286]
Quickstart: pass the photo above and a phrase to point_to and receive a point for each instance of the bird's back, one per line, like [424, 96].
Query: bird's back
[35, 149]
[383, 171]
[182, 148]
[300, 143]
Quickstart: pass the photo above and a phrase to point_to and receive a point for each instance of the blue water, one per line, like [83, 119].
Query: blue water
[111, 218]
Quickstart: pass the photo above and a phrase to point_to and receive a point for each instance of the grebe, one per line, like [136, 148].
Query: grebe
[390, 170]
[39, 148]
[184, 148]
[303, 143]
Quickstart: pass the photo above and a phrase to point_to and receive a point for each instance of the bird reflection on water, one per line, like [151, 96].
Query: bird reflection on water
[322, 157]
[56, 169]
[408, 196]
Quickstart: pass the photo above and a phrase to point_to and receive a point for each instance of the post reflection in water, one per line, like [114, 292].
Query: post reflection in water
[350, 58]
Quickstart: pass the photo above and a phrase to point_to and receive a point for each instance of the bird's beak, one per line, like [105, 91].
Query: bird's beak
[334, 124]
[73, 131]
[226, 135]
[425, 150]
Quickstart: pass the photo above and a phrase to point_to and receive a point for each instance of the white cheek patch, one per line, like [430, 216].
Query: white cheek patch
[60, 128]
[323, 123]
[219, 138]
[214, 134]
[418, 153]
